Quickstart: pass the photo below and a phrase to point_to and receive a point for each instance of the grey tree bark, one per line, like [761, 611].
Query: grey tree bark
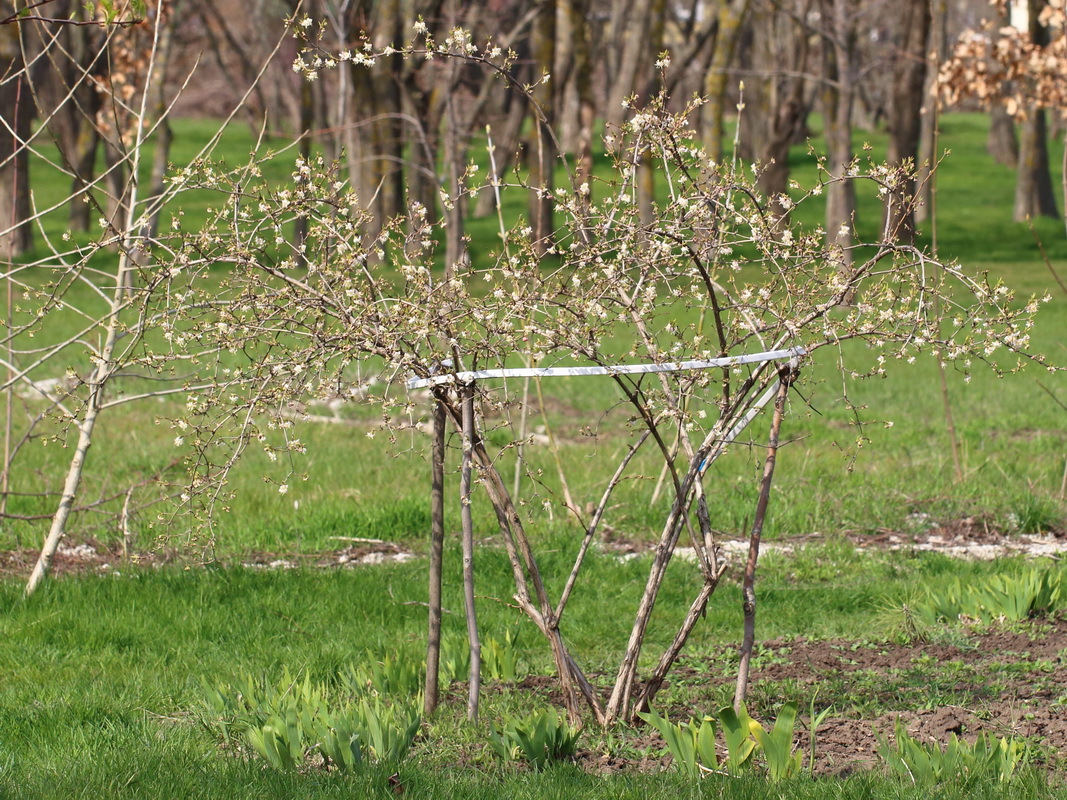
[784, 102]
[905, 116]
[1002, 143]
[717, 83]
[542, 143]
[838, 46]
[16, 113]
[579, 73]
[937, 48]
[627, 42]
[164, 134]
[1034, 193]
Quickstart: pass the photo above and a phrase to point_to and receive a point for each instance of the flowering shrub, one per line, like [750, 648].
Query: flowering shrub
[707, 271]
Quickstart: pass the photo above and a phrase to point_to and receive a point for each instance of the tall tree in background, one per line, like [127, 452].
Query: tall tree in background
[1002, 144]
[937, 53]
[905, 113]
[387, 130]
[1034, 195]
[131, 51]
[1023, 70]
[158, 82]
[422, 103]
[70, 98]
[574, 63]
[648, 84]
[542, 145]
[16, 116]
[366, 119]
[838, 18]
[730, 16]
[691, 37]
[775, 106]
[506, 110]
[239, 49]
[626, 47]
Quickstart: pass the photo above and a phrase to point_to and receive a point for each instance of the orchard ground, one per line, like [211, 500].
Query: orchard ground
[103, 669]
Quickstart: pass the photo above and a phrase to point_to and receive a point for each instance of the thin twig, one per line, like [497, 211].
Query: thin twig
[1041, 246]
[424, 605]
[593, 525]
[1055, 399]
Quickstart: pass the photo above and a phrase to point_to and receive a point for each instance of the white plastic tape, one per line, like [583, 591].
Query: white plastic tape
[745, 420]
[621, 369]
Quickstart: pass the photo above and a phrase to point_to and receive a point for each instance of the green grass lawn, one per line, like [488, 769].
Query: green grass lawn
[103, 676]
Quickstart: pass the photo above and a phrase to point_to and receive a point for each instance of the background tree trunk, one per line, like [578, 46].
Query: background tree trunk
[837, 100]
[905, 115]
[786, 102]
[17, 111]
[422, 103]
[83, 164]
[580, 75]
[936, 48]
[507, 139]
[731, 14]
[542, 146]
[754, 58]
[387, 131]
[1034, 195]
[70, 101]
[648, 85]
[1003, 143]
[627, 41]
[164, 134]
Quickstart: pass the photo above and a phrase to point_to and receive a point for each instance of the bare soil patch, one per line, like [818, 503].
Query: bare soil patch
[970, 537]
[94, 557]
[1007, 681]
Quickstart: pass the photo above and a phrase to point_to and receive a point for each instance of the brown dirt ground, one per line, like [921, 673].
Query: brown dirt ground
[1012, 681]
[1030, 703]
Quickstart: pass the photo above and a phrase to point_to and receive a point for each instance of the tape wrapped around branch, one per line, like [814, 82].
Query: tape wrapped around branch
[620, 369]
